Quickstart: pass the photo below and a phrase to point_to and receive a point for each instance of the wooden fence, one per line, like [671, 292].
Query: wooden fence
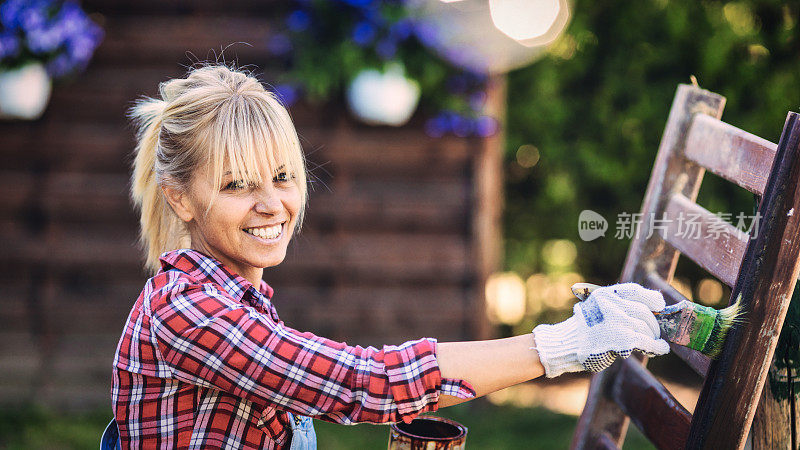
[401, 233]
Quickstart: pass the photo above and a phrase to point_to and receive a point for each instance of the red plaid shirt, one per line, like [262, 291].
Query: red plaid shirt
[205, 362]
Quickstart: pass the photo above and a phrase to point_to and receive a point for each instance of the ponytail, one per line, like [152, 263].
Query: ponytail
[160, 228]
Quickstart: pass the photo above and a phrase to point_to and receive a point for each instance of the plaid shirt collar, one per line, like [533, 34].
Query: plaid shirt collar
[207, 269]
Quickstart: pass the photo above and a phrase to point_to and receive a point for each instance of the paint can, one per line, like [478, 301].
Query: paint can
[427, 433]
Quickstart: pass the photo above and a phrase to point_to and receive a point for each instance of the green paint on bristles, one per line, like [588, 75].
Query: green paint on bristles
[714, 325]
[702, 327]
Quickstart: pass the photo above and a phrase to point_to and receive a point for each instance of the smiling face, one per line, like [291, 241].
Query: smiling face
[248, 225]
[231, 166]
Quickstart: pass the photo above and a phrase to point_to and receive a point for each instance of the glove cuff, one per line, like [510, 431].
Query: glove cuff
[558, 346]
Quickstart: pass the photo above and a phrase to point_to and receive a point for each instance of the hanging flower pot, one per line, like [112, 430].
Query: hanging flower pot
[383, 98]
[40, 40]
[24, 92]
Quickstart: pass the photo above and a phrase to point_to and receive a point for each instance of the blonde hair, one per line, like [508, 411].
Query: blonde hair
[216, 114]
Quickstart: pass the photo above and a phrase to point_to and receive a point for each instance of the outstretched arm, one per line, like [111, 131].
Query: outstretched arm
[610, 324]
[489, 365]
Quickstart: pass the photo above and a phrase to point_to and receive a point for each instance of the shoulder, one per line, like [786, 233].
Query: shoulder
[172, 289]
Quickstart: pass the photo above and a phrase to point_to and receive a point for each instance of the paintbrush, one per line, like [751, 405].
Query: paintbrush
[685, 323]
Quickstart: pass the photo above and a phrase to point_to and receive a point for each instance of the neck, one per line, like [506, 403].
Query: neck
[249, 273]
[254, 276]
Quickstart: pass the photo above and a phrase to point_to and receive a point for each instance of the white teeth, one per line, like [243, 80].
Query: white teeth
[265, 232]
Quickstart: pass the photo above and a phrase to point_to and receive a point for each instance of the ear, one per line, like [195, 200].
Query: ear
[179, 201]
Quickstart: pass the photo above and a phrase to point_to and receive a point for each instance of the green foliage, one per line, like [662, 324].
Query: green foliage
[783, 375]
[489, 427]
[596, 106]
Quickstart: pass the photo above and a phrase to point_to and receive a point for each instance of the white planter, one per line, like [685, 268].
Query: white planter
[24, 92]
[383, 98]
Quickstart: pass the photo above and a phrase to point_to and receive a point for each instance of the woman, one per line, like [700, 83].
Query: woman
[205, 361]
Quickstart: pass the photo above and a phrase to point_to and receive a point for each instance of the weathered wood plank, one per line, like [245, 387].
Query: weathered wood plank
[711, 242]
[731, 153]
[183, 7]
[775, 424]
[648, 252]
[67, 228]
[651, 406]
[135, 38]
[368, 254]
[768, 275]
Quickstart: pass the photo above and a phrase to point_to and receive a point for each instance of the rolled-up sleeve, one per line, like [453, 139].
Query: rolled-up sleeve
[207, 338]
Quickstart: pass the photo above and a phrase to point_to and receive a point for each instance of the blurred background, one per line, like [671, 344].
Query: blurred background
[452, 146]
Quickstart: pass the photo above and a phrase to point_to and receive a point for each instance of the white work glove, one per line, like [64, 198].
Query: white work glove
[610, 324]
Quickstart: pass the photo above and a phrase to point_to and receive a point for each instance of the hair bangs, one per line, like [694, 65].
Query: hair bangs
[253, 138]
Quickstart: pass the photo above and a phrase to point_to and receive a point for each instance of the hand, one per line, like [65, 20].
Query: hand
[610, 324]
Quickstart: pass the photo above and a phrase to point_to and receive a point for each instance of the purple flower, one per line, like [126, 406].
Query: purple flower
[72, 19]
[386, 49]
[61, 65]
[462, 126]
[32, 19]
[279, 44]
[426, 33]
[286, 93]
[298, 20]
[58, 33]
[486, 126]
[402, 29]
[9, 45]
[80, 47]
[373, 15]
[81, 44]
[438, 126]
[363, 33]
[357, 3]
[10, 12]
[44, 40]
[457, 56]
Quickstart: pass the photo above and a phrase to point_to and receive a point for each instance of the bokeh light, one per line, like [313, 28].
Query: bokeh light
[505, 298]
[527, 156]
[551, 291]
[709, 291]
[559, 253]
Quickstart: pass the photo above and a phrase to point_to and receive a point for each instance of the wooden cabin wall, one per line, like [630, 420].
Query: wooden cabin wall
[400, 234]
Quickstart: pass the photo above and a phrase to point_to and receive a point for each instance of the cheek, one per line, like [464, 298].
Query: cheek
[224, 219]
[293, 202]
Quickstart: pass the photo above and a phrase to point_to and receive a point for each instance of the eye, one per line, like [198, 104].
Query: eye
[282, 177]
[235, 185]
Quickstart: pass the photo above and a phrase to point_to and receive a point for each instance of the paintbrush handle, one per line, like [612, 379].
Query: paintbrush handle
[679, 323]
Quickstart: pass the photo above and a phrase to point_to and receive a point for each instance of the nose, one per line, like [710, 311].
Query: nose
[267, 200]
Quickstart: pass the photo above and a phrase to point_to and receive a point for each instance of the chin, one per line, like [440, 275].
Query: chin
[270, 261]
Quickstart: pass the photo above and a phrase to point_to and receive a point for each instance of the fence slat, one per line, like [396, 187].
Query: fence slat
[731, 153]
[651, 406]
[688, 228]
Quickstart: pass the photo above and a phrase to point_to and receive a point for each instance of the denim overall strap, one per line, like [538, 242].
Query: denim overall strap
[110, 438]
[303, 435]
